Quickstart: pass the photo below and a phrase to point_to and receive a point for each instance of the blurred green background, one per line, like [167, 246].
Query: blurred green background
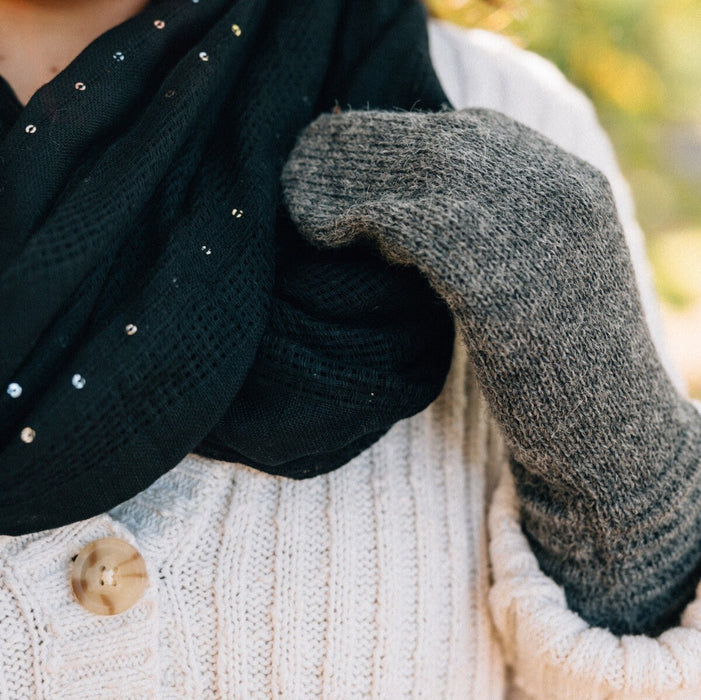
[640, 63]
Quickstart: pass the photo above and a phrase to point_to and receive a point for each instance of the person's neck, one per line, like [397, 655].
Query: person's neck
[39, 38]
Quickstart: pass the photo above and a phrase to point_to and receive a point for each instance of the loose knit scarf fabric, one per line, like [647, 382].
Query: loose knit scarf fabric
[156, 298]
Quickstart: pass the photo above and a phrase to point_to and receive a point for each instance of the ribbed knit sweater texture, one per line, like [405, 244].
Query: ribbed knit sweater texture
[371, 581]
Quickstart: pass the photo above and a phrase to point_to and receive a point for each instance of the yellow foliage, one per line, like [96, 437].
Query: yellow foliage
[676, 257]
[621, 77]
[493, 15]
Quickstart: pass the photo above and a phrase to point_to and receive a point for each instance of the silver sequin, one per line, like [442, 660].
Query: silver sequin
[170, 93]
[238, 213]
[78, 381]
[204, 55]
[80, 86]
[159, 24]
[118, 56]
[131, 329]
[236, 29]
[14, 390]
[30, 128]
[27, 435]
[206, 250]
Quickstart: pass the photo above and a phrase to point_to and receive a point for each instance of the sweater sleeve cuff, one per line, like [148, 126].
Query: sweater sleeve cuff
[554, 653]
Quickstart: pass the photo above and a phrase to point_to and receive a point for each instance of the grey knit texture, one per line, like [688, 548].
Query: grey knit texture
[523, 242]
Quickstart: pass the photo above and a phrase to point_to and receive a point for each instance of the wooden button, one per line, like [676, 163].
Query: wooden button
[108, 576]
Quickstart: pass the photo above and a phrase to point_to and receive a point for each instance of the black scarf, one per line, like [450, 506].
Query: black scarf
[155, 298]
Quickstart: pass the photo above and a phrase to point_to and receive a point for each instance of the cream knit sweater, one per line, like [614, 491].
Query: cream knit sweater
[370, 581]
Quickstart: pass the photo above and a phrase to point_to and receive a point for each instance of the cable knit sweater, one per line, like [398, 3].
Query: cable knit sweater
[371, 581]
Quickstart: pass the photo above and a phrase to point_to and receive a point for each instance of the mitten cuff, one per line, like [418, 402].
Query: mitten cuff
[554, 653]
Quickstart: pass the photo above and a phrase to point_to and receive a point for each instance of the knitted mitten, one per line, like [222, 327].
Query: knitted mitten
[522, 241]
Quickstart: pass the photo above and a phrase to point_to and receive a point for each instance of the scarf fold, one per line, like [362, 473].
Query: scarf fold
[156, 298]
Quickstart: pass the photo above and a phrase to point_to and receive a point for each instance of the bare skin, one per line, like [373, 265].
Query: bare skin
[39, 38]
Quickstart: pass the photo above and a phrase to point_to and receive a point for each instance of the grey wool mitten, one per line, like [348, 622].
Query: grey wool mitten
[522, 241]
